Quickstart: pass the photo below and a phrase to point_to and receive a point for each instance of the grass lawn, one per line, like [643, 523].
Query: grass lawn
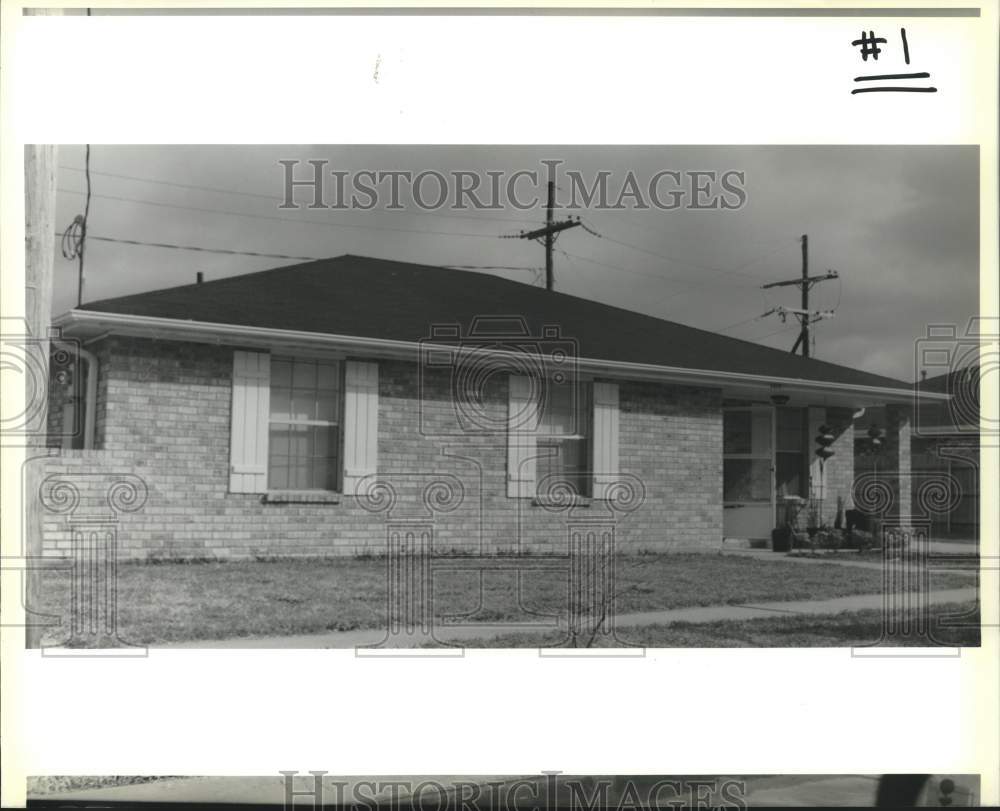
[847, 629]
[171, 602]
[56, 784]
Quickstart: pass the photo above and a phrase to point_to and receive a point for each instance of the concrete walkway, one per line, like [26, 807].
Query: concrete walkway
[846, 559]
[458, 634]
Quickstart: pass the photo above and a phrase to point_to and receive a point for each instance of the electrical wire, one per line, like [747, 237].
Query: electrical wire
[201, 249]
[672, 260]
[74, 238]
[739, 323]
[256, 254]
[271, 197]
[491, 267]
[274, 218]
[762, 337]
[654, 276]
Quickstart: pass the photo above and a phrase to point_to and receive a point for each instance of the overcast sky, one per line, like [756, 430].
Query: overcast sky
[899, 224]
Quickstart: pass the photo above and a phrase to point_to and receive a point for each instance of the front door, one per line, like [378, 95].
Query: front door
[748, 472]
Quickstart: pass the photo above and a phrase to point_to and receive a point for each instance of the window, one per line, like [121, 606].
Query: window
[746, 449]
[790, 458]
[563, 440]
[304, 425]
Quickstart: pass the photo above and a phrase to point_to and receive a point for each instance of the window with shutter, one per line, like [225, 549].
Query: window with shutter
[360, 425]
[304, 424]
[522, 421]
[563, 440]
[248, 422]
[605, 437]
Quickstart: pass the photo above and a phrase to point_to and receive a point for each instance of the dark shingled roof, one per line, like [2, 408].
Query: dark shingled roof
[965, 378]
[377, 298]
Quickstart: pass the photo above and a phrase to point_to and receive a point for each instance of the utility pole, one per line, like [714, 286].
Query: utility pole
[805, 284]
[804, 333]
[39, 226]
[549, 234]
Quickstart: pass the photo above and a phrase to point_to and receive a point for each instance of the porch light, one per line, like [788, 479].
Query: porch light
[875, 437]
[824, 439]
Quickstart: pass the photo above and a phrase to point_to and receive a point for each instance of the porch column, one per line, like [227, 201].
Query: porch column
[896, 462]
[840, 467]
[835, 477]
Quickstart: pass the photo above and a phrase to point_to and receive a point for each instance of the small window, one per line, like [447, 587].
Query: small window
[563, 440]
[304, 425]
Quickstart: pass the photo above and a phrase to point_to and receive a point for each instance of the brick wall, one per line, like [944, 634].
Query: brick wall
[898, 452]
[839, 467]
[163, 428]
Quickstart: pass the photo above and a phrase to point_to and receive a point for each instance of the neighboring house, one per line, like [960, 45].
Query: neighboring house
[299, 411]
[944, 453]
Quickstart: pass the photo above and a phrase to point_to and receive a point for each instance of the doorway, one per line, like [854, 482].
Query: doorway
[748, 472]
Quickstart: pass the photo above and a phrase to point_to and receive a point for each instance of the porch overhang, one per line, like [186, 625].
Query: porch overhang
[90, 325]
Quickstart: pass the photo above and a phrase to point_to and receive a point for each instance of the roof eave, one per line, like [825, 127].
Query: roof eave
[92, 324]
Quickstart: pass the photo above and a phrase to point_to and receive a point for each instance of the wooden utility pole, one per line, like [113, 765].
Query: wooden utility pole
[550, 239]
[549, 233]
[805, 284]
[39, 249]
[804, 332]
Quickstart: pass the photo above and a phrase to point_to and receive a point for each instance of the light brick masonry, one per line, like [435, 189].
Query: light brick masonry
[162, 424]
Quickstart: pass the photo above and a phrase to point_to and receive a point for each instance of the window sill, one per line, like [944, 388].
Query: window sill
[301, 497]
[570, 501]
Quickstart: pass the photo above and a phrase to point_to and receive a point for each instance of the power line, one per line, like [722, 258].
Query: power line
[200, 249]
[762, 337]
[784, 243]
[491, 267]
[654, 276]
[741, 323]
[282, 219]
[228, 252]
[74, 238]
[271, 197]
[752, 262]
[672, 260]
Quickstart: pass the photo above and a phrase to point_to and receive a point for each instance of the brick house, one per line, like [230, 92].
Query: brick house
[944, 452]
[296, 411]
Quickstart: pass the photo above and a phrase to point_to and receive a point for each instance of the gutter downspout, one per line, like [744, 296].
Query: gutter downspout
[90, 396]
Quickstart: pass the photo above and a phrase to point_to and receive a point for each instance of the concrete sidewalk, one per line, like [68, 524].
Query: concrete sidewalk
[845, 559]
[458, 634]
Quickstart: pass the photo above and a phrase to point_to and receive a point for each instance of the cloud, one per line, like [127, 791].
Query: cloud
[900, 225]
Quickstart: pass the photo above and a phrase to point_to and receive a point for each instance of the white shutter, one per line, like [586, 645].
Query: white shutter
[248, 423]
[522, 422]
[817, 486]
[360, 423]
[605, 437]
